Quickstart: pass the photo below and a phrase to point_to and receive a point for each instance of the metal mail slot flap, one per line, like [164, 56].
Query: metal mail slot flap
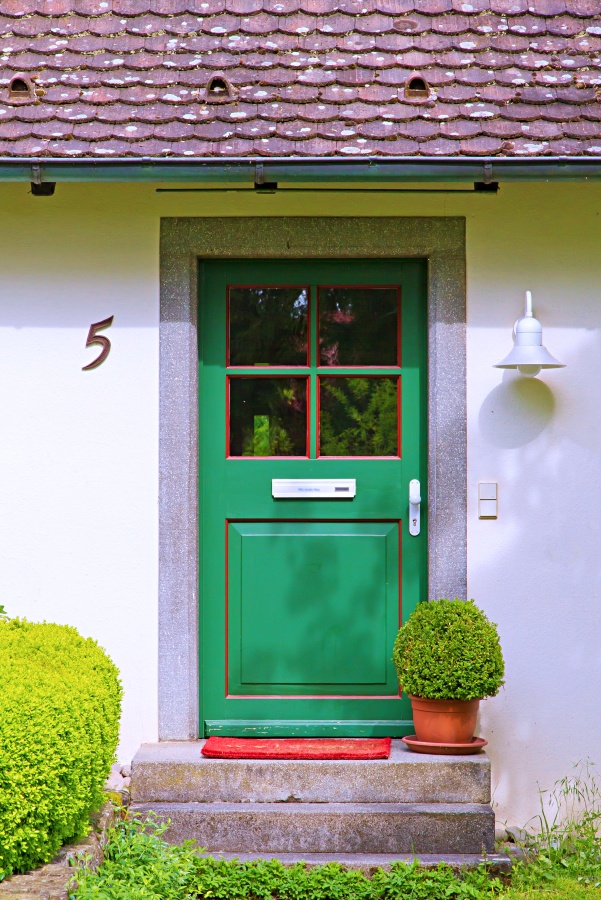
[313, 488]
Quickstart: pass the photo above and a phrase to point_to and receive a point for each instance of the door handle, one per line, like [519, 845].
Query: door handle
[414, 507]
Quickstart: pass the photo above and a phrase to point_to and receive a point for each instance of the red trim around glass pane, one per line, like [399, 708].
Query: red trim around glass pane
[383, 287]
[301, 377]
[398, 406]
[229, 696]
[227, 323]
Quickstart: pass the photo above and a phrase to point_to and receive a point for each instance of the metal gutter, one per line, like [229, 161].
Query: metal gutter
[330, 169]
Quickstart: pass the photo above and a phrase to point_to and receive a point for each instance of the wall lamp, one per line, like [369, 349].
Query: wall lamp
[529, 355]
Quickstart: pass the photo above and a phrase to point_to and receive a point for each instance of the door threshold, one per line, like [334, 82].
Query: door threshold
[308, 728]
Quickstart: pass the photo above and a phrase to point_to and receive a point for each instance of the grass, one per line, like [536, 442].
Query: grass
[565, 847]
[562, 889]
[564, 863]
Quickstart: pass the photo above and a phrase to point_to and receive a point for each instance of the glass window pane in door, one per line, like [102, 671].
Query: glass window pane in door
[359, 416]
[359, 326]
[268, 417]
[268, 326]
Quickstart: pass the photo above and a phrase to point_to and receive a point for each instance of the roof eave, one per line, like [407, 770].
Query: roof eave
[306, 169]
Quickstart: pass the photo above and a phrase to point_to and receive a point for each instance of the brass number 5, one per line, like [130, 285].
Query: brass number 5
[95, 338]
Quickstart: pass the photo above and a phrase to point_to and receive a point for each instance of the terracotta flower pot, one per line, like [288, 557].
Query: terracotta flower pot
[444, 721]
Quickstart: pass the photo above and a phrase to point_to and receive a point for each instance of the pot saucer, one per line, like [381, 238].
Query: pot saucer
[474, 746]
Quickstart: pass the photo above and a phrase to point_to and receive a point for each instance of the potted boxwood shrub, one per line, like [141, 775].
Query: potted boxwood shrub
[448, 657]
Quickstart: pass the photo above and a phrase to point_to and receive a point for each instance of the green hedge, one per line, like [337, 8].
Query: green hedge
[60, 701]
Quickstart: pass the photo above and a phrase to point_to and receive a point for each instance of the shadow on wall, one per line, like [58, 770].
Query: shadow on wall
[516, 412]
[539, 576]
[512, 417]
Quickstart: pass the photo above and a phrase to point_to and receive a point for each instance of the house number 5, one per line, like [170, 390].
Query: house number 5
[101, 340]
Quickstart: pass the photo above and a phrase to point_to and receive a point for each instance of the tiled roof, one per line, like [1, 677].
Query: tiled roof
[115, 78]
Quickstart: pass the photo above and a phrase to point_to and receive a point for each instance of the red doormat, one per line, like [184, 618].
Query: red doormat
[296, 748]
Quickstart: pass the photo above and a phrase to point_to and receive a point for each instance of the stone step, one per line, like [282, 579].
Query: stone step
[175, 772]
[347, 828]
[498, 863]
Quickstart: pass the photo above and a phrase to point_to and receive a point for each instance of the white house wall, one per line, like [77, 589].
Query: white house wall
[79, 450]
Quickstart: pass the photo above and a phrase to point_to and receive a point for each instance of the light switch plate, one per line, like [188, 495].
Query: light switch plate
[487, 509]
[487, 500]
[487, 490]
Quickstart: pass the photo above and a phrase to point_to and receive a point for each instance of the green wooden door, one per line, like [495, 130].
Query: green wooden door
[310, 370]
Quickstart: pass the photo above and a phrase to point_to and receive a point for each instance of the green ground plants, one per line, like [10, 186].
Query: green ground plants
[140, 865]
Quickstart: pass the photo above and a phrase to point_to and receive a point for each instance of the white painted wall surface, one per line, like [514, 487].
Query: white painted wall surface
[79, 450]
[79, 455]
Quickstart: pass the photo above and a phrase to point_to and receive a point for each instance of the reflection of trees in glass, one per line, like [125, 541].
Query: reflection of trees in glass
[268, 325]
[358, 326]
[268, 417]
[268, 438]
[358, 417]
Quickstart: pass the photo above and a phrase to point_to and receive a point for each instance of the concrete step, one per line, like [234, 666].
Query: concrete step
[498, 863]
[175, 772]
[407, 804]
[336, 828]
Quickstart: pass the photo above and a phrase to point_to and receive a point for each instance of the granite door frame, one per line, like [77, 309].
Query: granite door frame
[440, 240]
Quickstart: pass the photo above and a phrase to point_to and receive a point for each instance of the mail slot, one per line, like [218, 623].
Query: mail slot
[313, 488]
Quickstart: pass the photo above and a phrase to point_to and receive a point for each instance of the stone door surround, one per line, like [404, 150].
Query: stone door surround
[186, 240]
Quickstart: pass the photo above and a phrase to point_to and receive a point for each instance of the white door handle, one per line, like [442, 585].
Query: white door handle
[414, 506]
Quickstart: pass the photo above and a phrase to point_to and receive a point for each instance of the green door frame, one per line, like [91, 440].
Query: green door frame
[183, 241]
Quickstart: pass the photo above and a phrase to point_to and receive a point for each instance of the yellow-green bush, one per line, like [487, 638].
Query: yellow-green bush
[60, 700]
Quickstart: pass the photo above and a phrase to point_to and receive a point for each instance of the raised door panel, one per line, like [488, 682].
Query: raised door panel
[312, 608]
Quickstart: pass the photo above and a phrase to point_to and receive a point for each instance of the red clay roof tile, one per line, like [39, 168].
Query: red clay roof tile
[309, 77]
[440, 147]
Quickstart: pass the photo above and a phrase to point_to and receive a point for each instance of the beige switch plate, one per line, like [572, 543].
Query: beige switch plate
[487, 500]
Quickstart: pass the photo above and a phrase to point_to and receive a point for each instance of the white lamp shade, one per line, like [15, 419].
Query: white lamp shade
[528, 350]
[529, 356]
